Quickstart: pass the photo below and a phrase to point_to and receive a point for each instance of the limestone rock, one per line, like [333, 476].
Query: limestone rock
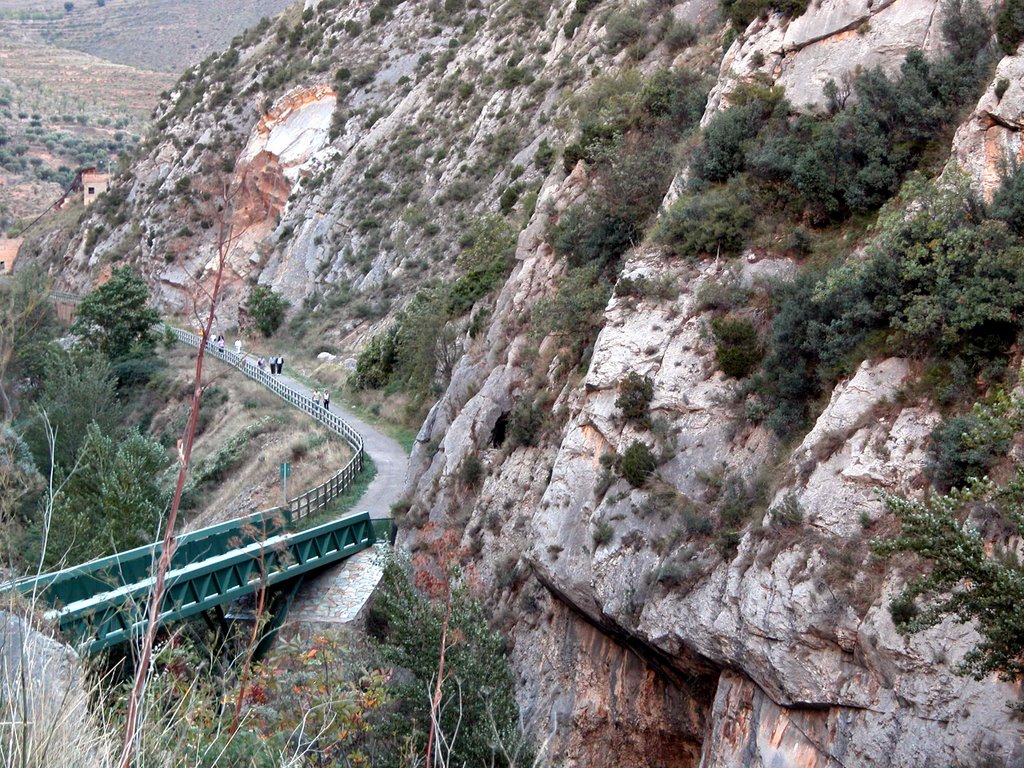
[989, 141]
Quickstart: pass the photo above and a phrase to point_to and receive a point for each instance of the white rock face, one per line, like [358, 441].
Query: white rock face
[41, 686]
[989, 141]
[832, 40]
[791, 631]
[294, 130]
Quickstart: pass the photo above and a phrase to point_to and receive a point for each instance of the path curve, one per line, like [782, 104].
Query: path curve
[387, 454]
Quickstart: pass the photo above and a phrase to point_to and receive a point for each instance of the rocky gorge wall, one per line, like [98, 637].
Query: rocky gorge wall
[782, 651]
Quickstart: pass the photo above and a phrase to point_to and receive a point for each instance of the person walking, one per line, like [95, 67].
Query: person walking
[220, 344]
[316, 397]
[238, 346]
[280, 364]
[327, 400]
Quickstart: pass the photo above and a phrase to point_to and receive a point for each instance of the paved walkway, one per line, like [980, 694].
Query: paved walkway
[387, 454]
[338, 594]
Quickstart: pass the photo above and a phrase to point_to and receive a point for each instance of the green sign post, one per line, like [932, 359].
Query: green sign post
[286, 471]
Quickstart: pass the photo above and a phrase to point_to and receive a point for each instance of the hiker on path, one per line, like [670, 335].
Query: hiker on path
[327, 400]
[261, 364]
[220, 343]
[238, 346]
[316, 397]
[280, 364]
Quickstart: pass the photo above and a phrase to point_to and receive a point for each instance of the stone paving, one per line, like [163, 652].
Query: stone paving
[338, 594]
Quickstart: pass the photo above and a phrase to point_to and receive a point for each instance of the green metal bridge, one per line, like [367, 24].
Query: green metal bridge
[103, 603]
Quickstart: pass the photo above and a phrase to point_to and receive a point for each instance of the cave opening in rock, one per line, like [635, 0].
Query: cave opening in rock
[500, 428]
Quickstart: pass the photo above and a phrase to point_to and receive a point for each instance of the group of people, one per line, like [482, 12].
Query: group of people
[322, 398]
[218, 340]
[276, 364]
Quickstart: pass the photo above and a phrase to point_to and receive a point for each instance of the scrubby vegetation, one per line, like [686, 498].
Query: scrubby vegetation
[942, 279]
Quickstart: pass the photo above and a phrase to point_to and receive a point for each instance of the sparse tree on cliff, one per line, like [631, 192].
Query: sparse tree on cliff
[966, 539]
[267, 308]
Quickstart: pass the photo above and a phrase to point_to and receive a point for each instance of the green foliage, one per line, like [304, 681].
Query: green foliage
[576, 311]
[471, 471]
[114, 318]
[111, 502]
[417, 350]
[377, 362]
[267, 308]
[624, 28]
[77, 390]
[737, 347]
[485, 263]
[627, 127]
[635, 395]
[407, 621]
[1010, 26]
[714, 223]
[28, 326]
[970, 578]
[587, 235]
[1008, 202]
[854, 158]
[948, 279]
[602, 533]
[730, 134]
[742, 12]
[940, 280]
[579, 11]
[637, 463]
[965, 447]
[525, 423]
[19, 478]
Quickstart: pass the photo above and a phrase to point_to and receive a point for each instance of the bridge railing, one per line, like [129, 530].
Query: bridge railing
[315, 499]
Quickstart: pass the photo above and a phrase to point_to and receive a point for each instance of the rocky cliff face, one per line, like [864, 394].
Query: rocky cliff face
[642, 634]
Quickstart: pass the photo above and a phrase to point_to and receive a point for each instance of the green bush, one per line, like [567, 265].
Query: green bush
[576, 311]
[637, 463]
[471, 472]
[721, 154]
[266, 307]
[525, 424]
[958, 455]
[115, 319]
[714, 223]
[635, 395]
[742, 12]
[602, 533]
[737, 347]
[853, 158]
[486, 263]
[623, 28]
[376, 364]
[1010, 26]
